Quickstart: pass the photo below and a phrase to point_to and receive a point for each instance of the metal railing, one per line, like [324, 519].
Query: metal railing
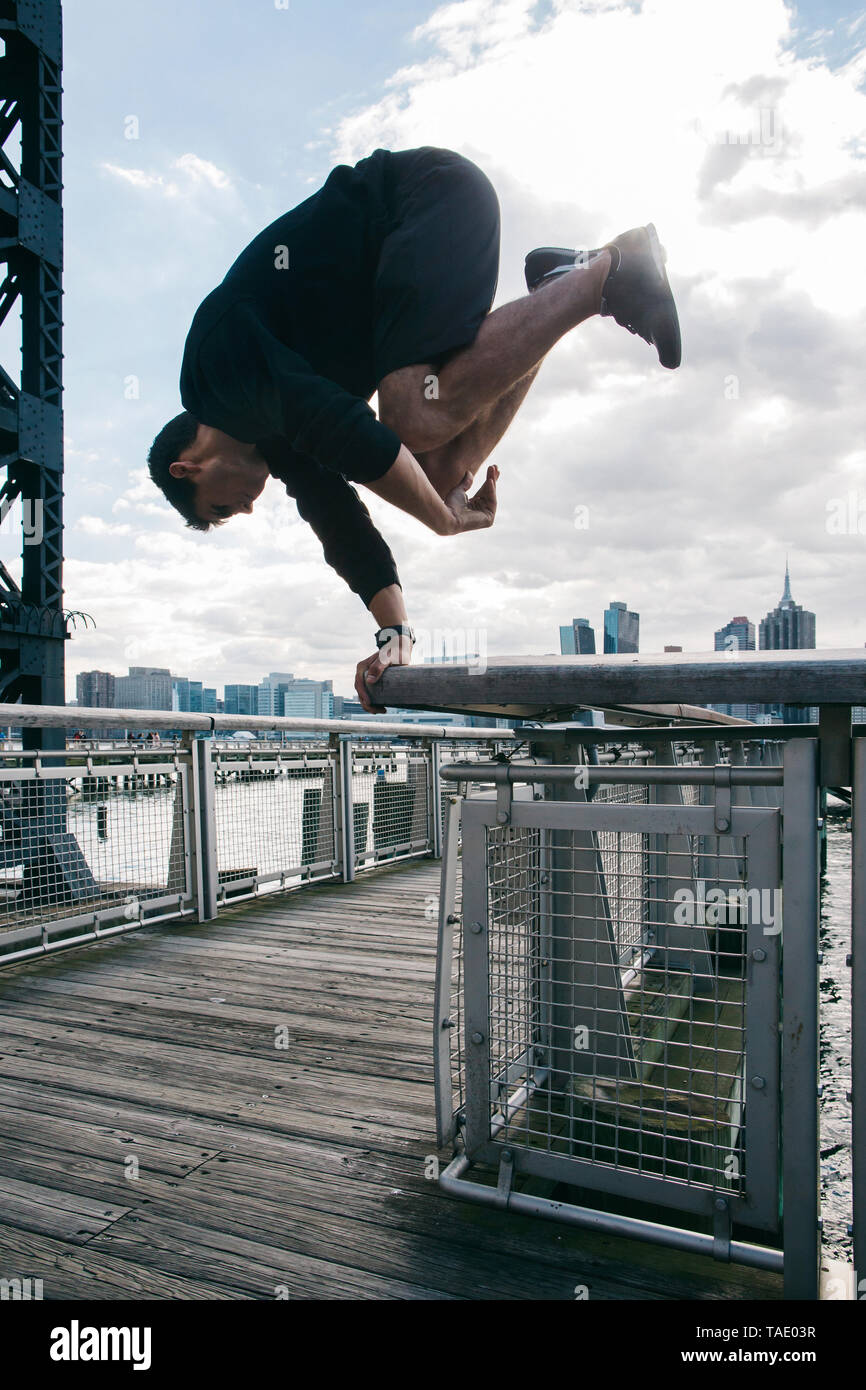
[97, 840]
[622, 1006]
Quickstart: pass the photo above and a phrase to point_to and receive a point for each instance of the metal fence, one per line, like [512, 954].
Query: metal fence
[627, 1021]
[96, 840]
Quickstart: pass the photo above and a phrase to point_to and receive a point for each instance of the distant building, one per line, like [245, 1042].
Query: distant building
[577, 639]
[187, 696]
[789, 627]
[271, 691]
[241, 699]
[309, 699]
[95, 689]
[737, 635]
[145, 687]
[621, 629]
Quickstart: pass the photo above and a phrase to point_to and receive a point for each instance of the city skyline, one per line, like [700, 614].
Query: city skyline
[738, 633]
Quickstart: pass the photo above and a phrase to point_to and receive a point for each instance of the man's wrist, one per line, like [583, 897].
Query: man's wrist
[399, 631]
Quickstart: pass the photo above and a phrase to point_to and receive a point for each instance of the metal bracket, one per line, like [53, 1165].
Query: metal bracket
[506, 1176]
[503, 801]
[721, 1230]
[722, 785]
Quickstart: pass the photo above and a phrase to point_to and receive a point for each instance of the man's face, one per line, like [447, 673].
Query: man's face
[227, 475]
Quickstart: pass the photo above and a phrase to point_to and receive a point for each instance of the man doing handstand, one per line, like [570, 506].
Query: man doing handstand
[383, 281]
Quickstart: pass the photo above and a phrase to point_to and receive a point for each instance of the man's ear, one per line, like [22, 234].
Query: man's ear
[183, 468]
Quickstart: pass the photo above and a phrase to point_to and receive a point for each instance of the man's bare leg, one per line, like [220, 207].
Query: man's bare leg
[447, 466]
[510, 344]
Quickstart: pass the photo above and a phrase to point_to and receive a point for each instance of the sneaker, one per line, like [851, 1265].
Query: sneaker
[636, 292]
[546, 262]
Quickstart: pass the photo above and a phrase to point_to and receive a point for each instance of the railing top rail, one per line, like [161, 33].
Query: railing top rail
[78, 716]
[527, 685]
[509, 773]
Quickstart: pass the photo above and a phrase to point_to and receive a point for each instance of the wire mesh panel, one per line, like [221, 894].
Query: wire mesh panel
[275, 818]
[623, 858]
[655, 1079]
[391, 803]
[107, 844]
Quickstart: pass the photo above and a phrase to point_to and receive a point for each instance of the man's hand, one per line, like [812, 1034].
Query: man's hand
[475, 513]
[397, 652]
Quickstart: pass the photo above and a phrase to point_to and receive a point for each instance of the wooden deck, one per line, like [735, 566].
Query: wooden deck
[262, 1171]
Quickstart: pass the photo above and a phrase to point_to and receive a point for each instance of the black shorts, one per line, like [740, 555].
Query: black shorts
[439, 263]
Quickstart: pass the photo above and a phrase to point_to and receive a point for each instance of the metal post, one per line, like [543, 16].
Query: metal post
[347, 821]
[801, 888]
[207, 874]
[858, 1009]
[443, 1023]
[435, 800]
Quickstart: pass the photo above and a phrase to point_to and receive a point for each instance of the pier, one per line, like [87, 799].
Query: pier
[434, 1012]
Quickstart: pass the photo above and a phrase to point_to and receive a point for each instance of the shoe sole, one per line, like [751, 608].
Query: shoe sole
[659, 256]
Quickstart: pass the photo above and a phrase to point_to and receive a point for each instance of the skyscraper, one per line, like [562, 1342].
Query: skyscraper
[737, 635]
[241, 699]
[577, 639]
[788, 627]
[621, 628]
[95, 689]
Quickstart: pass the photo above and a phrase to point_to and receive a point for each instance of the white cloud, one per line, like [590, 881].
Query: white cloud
[196, 173]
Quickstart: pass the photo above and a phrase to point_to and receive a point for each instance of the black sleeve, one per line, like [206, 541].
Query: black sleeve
[239, 378]
[352, 545]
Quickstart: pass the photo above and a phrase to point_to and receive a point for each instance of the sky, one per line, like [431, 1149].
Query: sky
[737, 126]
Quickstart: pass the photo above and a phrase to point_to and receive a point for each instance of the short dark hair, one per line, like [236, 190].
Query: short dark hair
[171, 441]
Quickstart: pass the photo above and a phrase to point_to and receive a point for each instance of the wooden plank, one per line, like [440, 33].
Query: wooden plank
[79, 1272]
[535, 684]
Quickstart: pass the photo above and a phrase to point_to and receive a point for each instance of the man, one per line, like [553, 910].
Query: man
[383, 281]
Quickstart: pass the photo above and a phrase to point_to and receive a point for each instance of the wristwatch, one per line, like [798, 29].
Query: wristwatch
[387, 634]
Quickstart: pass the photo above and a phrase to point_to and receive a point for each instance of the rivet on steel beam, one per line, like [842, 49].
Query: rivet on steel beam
[478, 1037]
[507, 1156]
[758, 1083]
[759, 954]
[723, 823]
[502, 817]
[476, 928]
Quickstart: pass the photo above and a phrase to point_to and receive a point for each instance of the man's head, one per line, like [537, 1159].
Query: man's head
[206, 475]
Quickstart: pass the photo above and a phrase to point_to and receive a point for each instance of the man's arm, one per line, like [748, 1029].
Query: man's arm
[406, 485]
[351, 543]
